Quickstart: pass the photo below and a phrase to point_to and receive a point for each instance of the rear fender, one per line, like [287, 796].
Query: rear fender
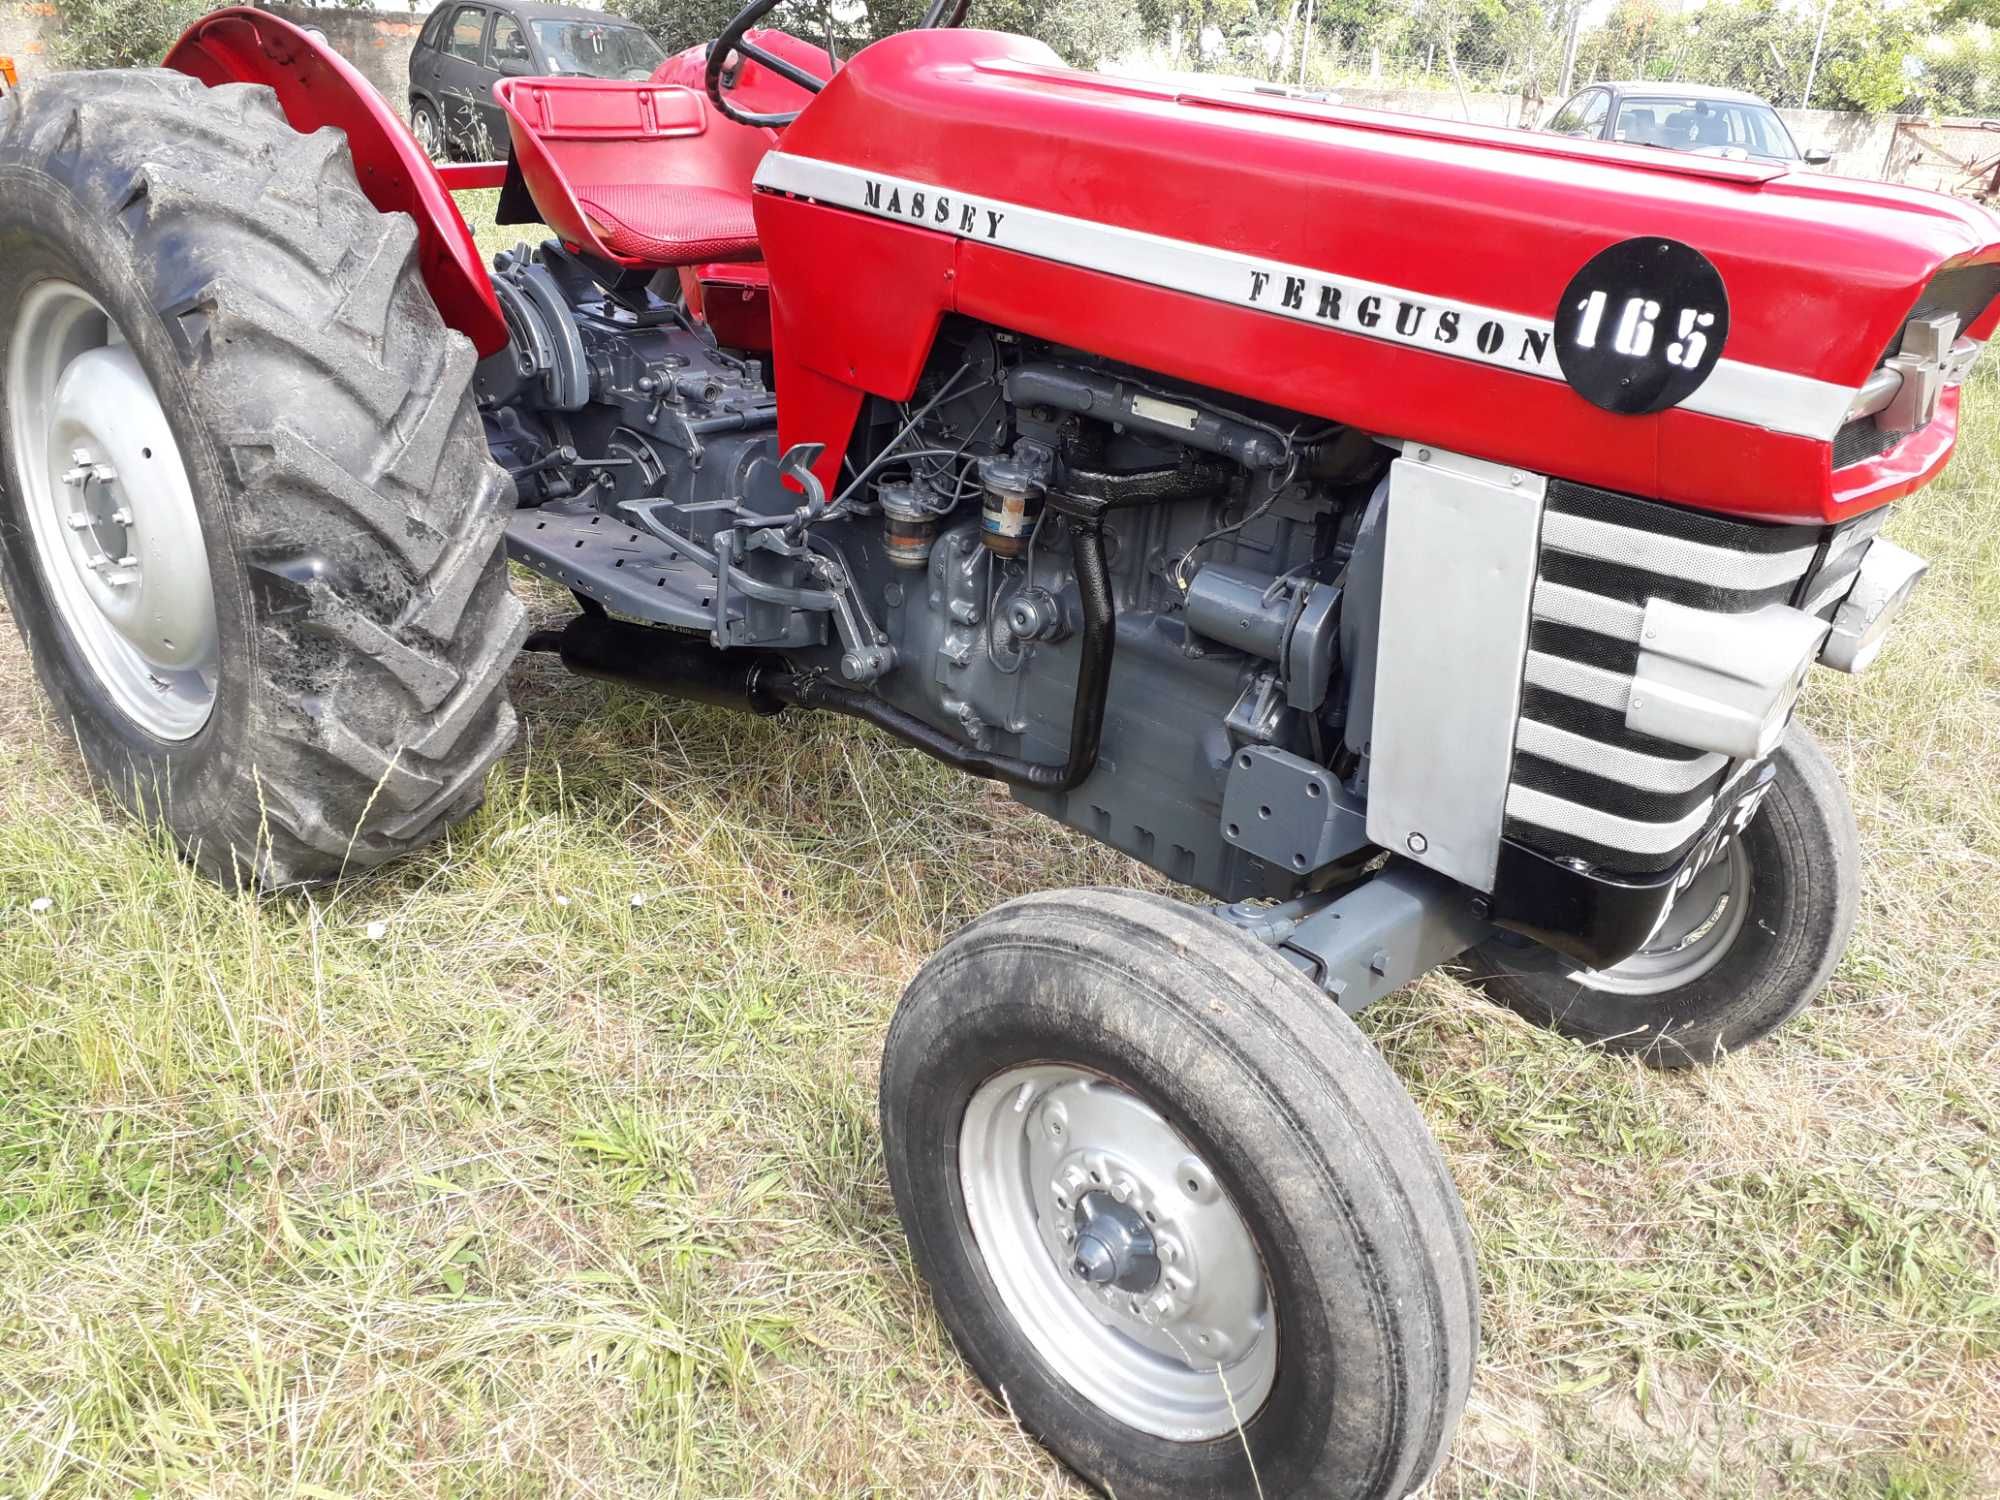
[317, 88]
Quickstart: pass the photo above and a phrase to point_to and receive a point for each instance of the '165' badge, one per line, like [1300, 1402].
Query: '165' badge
[1642, 325]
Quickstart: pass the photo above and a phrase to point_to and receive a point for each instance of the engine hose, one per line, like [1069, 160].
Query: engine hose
[1093, 677]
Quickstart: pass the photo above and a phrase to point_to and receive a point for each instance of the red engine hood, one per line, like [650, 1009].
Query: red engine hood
[1125, 179]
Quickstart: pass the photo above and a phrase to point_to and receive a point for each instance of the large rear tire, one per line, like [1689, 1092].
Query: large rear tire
[187, 247]
[1175, 1209]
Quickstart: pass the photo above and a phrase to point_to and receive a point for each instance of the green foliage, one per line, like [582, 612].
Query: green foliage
[1766, 47]
[120, 33]
[1082, 31]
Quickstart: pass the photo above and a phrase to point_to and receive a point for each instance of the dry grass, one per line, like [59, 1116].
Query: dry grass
[569, 1183]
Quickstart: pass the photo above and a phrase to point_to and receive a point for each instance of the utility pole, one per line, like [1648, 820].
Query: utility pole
[1825, 10]
[1306, 41]
[1569, 50]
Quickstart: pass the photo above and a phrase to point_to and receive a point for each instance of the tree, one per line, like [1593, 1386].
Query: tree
[1083, 31]
[121, 33]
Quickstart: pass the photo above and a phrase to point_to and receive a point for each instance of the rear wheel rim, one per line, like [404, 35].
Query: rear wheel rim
[110, 511]
[1056, 1161]
[423, 125]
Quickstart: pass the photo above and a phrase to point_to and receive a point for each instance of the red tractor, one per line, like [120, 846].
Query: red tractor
[1411, 536]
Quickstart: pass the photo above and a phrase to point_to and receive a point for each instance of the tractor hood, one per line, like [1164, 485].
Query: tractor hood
[1471, 246]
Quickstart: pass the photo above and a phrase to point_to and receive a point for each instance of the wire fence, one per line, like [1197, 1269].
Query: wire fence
[1928, 58]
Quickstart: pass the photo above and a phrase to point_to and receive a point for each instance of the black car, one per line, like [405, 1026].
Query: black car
[466, 49]
[1683, 117]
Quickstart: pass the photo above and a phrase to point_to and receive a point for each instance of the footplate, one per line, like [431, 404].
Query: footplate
[603, 558]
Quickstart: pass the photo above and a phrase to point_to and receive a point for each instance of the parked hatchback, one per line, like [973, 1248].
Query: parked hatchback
[1683, 117]
[466, 49]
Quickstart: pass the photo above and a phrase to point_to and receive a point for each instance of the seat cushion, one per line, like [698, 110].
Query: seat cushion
[672, 224]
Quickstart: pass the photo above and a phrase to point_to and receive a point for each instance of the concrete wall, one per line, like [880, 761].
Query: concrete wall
[1859, 143]
[1442, 104]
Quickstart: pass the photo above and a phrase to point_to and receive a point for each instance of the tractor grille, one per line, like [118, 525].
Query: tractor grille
[1583, 786]
[1862, 439]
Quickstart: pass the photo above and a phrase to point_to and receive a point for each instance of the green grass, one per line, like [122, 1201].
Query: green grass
[546, 1163]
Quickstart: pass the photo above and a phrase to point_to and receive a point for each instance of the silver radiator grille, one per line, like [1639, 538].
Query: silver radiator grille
[1582, 785]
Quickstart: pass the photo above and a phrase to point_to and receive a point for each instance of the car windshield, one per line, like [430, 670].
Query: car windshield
[1721, 127]
[594, 50]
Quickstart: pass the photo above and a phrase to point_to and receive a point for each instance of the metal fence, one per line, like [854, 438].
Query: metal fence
[1860, 56]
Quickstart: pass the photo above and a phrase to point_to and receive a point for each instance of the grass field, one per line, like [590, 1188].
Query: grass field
[546, 1163]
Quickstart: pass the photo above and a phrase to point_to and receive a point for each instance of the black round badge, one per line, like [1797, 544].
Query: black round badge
[1641, 325]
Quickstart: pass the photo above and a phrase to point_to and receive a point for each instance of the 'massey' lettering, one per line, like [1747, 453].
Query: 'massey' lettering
[932, 210]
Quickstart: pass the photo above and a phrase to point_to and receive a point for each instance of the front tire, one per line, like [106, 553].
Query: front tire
[345, 664]
[1746, 947]
[1174, 1209]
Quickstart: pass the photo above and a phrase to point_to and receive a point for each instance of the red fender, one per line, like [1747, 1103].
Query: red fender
[317, 88]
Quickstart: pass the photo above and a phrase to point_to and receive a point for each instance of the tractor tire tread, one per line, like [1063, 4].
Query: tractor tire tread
[369, 511]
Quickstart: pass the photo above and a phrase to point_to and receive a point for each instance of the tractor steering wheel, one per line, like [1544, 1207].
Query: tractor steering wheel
[938, 13]
[732, 42]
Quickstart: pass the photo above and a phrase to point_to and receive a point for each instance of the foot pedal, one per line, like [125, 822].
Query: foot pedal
[604, 558]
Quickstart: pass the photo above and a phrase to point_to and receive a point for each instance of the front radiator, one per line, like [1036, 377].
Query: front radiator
[1582, 786]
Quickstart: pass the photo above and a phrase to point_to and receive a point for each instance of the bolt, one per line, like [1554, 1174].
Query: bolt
[121, 517]
[1514, 478]
[1423, 455]
[1417, 843]
[79, 521]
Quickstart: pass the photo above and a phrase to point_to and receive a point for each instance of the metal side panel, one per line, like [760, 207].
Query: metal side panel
[1458, 577]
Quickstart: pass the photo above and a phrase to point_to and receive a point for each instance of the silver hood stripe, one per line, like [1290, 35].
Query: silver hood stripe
[1776, 399]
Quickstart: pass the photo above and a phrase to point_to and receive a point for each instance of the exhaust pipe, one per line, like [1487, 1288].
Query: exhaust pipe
[660, 661]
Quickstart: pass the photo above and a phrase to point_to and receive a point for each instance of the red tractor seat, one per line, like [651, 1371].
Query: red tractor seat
[631, 172]
[673, 226]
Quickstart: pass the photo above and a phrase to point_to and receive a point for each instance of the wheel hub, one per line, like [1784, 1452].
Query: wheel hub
[1113, 1246]
[1118, 1251]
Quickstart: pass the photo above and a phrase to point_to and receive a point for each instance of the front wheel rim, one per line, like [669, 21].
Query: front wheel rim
[1173, 1330]
[110, 511]
[1696, 934]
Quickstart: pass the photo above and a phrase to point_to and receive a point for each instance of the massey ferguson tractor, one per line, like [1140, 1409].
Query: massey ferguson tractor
[1408, 538]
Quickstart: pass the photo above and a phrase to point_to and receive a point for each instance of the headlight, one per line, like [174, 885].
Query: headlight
[1862, 622]
[1720, 682]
